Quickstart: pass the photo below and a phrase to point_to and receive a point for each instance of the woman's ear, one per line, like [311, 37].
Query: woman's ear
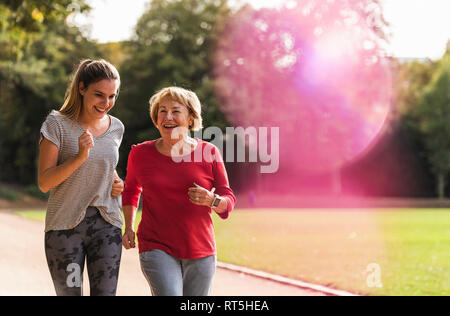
[81, 88]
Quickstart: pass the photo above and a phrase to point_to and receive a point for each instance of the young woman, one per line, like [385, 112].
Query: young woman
[77, 160]
[176, 175]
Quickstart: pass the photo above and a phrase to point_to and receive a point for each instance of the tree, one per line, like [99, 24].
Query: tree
[172, 45]
[22, 21]
[35, 68]
[410, 79]
[315, 69]
[421, 109]
[434, 123]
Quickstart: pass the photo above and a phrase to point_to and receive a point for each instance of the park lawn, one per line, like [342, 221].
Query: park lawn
[336, 247]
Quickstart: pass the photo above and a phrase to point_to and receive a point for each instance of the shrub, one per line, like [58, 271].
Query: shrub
[35, 192]
[9, 194]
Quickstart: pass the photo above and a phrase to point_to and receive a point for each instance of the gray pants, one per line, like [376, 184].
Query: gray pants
[169, 276]
[93, 240]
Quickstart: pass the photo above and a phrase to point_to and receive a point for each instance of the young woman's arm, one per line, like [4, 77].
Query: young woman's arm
[118, 185]
[50, 174]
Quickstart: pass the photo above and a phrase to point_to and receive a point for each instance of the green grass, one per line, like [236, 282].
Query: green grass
[335, 247]
[417, 252]
[33, 215]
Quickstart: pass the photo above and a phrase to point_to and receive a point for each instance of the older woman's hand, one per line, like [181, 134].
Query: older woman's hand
[118, 186]
[128, 239]
[200, 196]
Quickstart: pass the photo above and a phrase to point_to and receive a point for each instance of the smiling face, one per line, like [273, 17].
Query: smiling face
[99, 98]
[173, 120]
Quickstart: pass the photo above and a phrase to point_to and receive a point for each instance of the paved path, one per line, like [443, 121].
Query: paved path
[23, 268]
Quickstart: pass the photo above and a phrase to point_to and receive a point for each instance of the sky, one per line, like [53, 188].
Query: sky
[418, 28]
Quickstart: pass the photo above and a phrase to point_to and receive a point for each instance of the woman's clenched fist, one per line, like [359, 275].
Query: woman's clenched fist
[85, 144]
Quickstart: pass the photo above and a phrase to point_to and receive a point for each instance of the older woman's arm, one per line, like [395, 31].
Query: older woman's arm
[221, 183]
[222, 208]
[130, 201]
[202, 196]
[129, 236]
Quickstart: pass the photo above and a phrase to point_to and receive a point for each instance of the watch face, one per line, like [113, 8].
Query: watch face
[216, 202]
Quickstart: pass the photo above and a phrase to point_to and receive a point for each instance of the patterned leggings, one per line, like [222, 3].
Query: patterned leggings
[95, 240]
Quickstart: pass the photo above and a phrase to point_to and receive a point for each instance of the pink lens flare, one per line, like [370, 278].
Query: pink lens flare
[316, 70]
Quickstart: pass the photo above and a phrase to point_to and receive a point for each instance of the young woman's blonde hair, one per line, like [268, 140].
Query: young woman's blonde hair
[185, 97]
[88, 71]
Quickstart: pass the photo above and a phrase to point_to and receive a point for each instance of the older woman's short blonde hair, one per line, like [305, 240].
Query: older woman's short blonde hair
[186, 97]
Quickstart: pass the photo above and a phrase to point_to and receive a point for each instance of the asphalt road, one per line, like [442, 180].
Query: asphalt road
[23, 268]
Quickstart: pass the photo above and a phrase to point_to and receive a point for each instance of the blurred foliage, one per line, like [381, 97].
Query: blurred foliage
[9, 194]
[433, 117]
[23, 21]
[34, 191]
[423, 105]
[114, 52]
[35, 68]
[172, 45]
[411, 78]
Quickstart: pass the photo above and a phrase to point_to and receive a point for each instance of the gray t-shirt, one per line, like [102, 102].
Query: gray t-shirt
[91, 183]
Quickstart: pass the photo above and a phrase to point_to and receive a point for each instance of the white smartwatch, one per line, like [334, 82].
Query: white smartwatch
[216, 201]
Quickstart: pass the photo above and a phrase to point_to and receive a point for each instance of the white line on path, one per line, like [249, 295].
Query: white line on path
[284, 280]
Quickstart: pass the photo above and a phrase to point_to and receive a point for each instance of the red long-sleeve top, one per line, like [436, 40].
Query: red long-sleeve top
[170, 222]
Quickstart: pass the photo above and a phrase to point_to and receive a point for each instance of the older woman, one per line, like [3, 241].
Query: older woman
[181, 179]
